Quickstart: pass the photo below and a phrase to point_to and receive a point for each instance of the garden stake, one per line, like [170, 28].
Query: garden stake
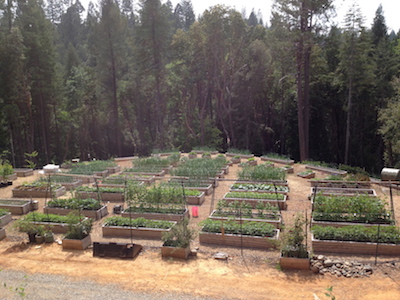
[377, 243]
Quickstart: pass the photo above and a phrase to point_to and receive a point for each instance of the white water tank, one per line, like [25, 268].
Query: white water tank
[390, 174]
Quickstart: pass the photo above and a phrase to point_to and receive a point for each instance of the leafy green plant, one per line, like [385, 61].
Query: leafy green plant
[180, 235]
[306, 172]
[360, 208]
[75, 203]
[292, 240]
[262, 187]
[3, 212]
[78, 228]
[30, 159]
[358, 233]
[139, 222]
[260, 173]
[255, 195]
[232, 227]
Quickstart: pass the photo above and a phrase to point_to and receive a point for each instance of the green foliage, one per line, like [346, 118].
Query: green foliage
[74, 203]
[3, 212]
[78, 228]
[139, 222]
[180, 235]
[101, 189]
[88, 168]
[262, 187]
[261, 172]
[30, 159]
[232, 227]
[255, 195]
[200, 168]
[41, 217]
[358, 233]
[292, 240]
[242, 209]
[361, 208]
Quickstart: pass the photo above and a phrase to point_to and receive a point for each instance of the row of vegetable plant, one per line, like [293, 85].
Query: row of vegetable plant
[88, 168]
[262, 187]
[358, 233]
[255, 195]
[200, 168]
[75, 203]
[360, 208]
[260, 173]
[232, 227]
[139, 222]
[245, 210]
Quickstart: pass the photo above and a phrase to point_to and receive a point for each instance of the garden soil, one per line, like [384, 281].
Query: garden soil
[246, 274]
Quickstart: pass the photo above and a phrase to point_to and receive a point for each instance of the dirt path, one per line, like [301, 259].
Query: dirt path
[251, 276]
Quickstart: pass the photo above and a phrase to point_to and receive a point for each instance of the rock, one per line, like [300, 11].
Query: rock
[221, 255]
[328, 263]
[321, 257]
[314, 269]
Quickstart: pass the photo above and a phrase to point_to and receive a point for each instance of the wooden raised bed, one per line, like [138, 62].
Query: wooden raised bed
[277, 160]
[138, 232]
[71, 244]
[175, 252]
[156, 216]
[113, 170]
[18, 207]
[4, 220]
[342, 224]
[54, 227]
[294, 263]
[340, 184]
[277, 223]
[225, 169]
[343, 192]
[246, 156]
[2, 233]
[22, 172]
[103, 173]
[282, 203]
[9, 177]
[326, 170]
[196, 200]
[94, 214]
[33, 193]
[71, 185]
[158, 174]
[236, 240]
[111, 197]
[307, 175]
[148, 180]
[329, 246]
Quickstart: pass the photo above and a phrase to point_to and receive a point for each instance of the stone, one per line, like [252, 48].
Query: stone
[221, 255]
[320, 257]
[314, 269]
[328, 263]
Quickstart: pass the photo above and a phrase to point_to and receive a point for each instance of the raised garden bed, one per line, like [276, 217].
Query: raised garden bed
[196, 200]
[94, 214]
[175, 252]
[294, 263]
[18, 207]
[156, 216]
[275, 222]
[281, 188]
[340, 184]
[306, 174]
[73, 244]
[138, 231]
[104, 196]
[278, 160]
[266, 239]
[54, 223]
[9, 177]
[245, 156]
[22, 172]
[5, 219]
[326, 170]
[357, 240]
[113, 170]
[26, 192]
[343, 191]
[263, 198]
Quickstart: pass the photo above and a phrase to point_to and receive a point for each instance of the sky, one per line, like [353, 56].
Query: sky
[391, 9]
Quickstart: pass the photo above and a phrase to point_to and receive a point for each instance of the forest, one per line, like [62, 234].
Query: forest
[124, 78]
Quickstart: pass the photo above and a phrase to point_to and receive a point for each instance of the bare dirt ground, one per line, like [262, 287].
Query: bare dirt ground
[247, 274]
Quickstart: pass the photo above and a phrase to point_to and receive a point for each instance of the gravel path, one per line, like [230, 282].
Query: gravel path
[55, 287]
